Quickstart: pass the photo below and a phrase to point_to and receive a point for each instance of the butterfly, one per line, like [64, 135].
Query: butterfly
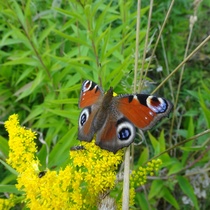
[113, 119]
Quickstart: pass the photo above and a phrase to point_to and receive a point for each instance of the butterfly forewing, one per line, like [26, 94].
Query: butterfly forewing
[90, 97]
[90, 94]
[143, 110]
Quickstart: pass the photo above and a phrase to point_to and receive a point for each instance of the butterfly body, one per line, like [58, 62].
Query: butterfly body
[103, 110]
[113, 119]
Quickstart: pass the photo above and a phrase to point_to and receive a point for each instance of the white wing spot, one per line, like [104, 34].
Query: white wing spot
[85, 84]
[151, 113]
[135, 96]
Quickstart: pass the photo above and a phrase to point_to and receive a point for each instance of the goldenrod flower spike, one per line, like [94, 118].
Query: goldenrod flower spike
[21, 144]
[82, 184]
[90, 173]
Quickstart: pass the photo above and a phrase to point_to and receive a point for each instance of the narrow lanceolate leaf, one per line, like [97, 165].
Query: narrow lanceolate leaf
[187, 189]
[9, 189]
[8, 167]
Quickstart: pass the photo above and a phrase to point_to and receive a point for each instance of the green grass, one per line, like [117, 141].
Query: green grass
[47, 50]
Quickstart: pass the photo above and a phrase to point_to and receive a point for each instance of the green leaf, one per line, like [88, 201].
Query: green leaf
[112, 49]
[72, 88]
[170, 198]
[38, 110]
[76, 15]
[143, 157]
[45, 33]
[191, 129]
[71, 113]
[18, 12]
[115, 74]
[175, 167]
[100, 20]
[9, 189]
[162, 141]
[27, 61]
[8, 167]
[10, 178]
[155, 189]
[4, 148]
[142, 201]
[155, 143]
[205, 109]
[71, 38]
[24, 75]
[30, 87]
[188, 190]
[62, 148]
[63, 101]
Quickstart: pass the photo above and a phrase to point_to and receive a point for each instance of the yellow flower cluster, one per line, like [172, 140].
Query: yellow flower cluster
[21, 144]
[153, 166]
[52, 190]
[98, 169]
[90, 173]
[139, 176]
[7, 203]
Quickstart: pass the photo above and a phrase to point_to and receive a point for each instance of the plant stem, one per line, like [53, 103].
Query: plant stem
[141, 83]
[125, 198]
[182, 63]
[159, 36]
[126, 181]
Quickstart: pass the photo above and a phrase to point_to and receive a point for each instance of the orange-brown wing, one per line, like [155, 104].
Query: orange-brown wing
[86, 128]
[116, 133]
[90, 97]
[90, 94]
[143, 110]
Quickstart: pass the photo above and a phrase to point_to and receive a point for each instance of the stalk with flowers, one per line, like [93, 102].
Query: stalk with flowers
[85, 182]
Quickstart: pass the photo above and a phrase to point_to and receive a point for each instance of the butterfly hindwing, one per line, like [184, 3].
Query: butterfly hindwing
[116, 133]
[85, 127]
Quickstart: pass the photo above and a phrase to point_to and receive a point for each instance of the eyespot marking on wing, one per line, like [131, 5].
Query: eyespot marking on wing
[157, 105]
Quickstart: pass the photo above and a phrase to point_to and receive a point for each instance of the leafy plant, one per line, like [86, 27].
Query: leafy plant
[48, 48]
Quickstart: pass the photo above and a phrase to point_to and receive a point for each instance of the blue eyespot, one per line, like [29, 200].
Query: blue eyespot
[124, 134]
[84, 116]
[83, 119]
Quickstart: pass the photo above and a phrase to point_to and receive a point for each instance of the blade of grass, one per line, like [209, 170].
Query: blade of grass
[140, 85]
[182, 63]
[159, 36]
[192, 22]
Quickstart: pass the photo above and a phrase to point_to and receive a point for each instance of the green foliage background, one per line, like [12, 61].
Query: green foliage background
[47, 48]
